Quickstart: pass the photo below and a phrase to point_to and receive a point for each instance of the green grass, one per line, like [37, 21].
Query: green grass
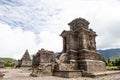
[111, 67]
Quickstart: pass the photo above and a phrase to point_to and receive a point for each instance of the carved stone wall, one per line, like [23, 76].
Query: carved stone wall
[80, 38]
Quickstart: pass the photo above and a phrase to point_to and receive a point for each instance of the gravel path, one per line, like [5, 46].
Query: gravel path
[23, 74]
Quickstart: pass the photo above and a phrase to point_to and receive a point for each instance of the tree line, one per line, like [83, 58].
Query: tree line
[110, 62]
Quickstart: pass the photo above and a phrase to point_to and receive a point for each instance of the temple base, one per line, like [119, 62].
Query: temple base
[91, 66]
[67, 74]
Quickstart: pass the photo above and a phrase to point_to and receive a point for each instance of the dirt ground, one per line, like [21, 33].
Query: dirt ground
[23, 74]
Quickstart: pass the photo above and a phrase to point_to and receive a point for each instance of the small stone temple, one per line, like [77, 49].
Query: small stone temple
[26, 60]
[79, 56]
[42, 65]
[2, 63]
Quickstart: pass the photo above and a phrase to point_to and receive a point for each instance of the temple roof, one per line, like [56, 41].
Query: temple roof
[78, 23]
[26, 56]
[43, 51]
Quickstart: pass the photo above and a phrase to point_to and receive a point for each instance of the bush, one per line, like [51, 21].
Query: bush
[8, 64]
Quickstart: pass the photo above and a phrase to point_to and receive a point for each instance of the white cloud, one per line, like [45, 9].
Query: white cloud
[31, 15]
[37, 23]
[103, 16]
[50, 41]
[14, 42]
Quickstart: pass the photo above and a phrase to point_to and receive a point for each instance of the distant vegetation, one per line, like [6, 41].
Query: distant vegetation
[110, 62]
[111, 57]
[9, 62]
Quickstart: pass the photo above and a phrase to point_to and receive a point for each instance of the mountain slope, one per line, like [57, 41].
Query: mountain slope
[110, 53]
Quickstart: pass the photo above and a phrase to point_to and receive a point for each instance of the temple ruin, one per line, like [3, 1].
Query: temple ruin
[42, 65]
[79, 56]
[25, 61]
[2, 63]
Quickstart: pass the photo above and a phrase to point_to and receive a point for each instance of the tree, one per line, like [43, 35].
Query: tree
[119, 62]
[109, 60]
[116, 62]
[113, 63]
[103, 59]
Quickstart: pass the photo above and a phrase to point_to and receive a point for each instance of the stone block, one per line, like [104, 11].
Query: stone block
[91, 66]
[68, 74]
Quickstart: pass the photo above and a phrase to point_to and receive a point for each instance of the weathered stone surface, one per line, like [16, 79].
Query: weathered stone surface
[25, 61]
[91, 66]
[79, 51]
[2, 64]
[1, 75]
[44, 69]
[41, 65]
[44, 55]
[68, 74]
[87, 54]
[26, 56]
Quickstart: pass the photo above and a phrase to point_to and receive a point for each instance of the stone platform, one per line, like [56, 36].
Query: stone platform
[68, 74]
[91, 66]
[41, 74]
[99, 74]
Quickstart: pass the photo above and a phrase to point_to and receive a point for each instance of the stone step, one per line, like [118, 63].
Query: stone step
[99, 74]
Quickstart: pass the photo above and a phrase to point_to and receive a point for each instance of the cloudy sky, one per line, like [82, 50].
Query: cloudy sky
[36, 24]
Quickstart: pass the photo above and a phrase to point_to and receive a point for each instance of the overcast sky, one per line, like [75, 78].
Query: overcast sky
[36, 24]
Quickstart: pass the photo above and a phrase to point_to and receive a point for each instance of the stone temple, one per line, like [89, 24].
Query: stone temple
[25, 61]
[2, 63]
[79, 56]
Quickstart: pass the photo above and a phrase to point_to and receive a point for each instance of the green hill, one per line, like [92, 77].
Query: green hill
[7, 60]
